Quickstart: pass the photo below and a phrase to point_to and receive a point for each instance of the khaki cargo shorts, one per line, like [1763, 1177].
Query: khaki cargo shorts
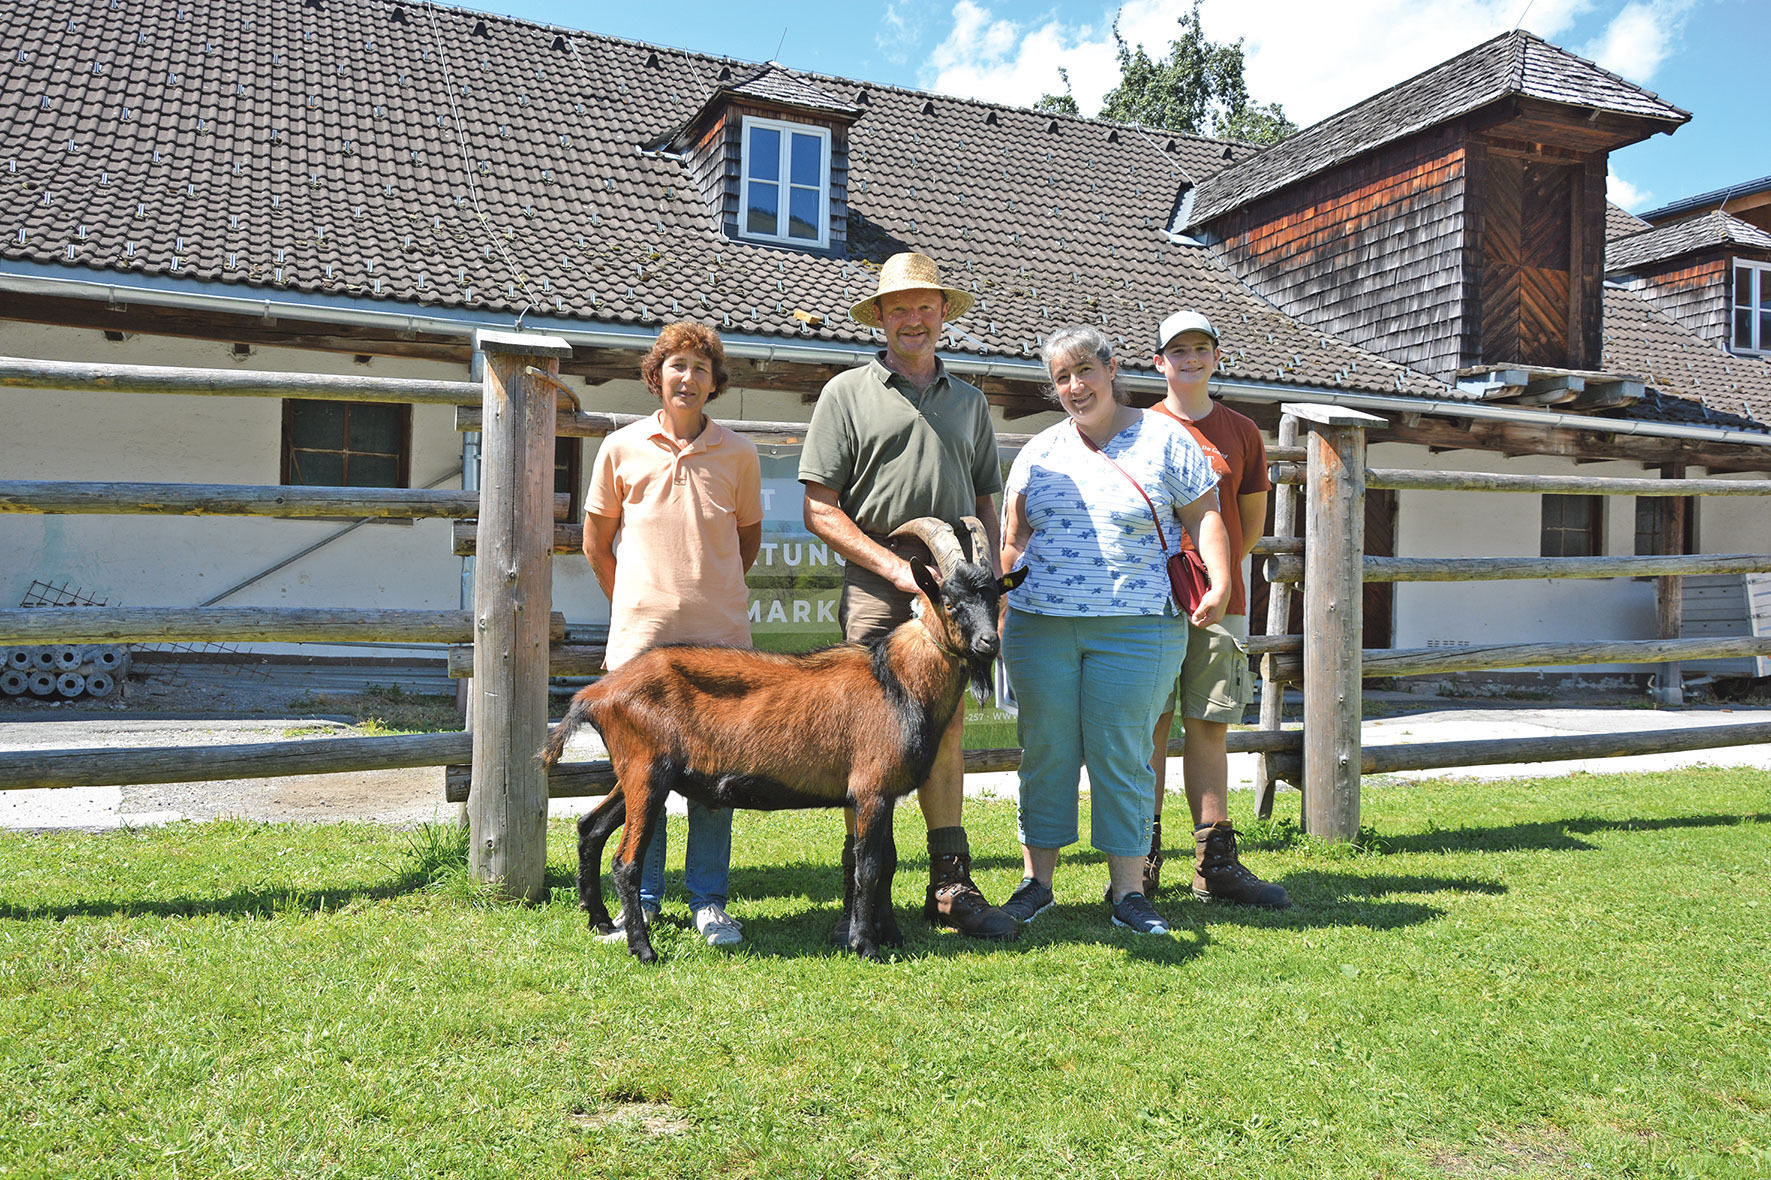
[1215, 683]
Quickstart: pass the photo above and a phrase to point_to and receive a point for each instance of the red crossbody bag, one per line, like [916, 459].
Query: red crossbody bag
[1187, 577]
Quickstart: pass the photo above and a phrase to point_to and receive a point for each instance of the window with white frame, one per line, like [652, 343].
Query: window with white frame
[784, 193]
[1752, 307]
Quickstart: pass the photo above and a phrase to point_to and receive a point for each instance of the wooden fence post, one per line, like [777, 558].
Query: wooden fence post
[1669, 592]
[1285, 515]
[513, 595]
[1333, 615]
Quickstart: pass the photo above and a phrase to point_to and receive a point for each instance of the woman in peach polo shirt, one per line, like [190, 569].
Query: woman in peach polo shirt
[685, 495]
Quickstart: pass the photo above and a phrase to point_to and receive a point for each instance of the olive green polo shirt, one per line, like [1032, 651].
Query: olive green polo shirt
[892, 454]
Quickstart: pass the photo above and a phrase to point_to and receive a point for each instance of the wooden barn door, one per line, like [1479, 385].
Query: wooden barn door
[1529, 312]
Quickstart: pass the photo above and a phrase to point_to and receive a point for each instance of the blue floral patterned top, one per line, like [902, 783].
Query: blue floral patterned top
[1094, 550]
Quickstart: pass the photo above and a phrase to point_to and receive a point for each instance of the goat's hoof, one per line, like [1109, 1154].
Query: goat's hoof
[869, 952]
[600, 926]
[644, 953]
[890, 935]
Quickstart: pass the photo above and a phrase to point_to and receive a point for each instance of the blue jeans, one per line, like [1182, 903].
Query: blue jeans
[707, 860]
[1090, 690]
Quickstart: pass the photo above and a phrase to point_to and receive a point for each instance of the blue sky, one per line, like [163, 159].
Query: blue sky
[1706, 56]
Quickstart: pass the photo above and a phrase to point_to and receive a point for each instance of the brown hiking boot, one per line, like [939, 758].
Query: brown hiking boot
[1218, 873]
[954, 902]
[1153, 861]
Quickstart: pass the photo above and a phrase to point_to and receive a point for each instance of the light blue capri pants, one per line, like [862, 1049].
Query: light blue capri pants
[1090, 690]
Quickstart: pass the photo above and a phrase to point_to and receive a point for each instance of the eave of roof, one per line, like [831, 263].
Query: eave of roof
[1707, 232]
[1716, 197]
[1513, 64]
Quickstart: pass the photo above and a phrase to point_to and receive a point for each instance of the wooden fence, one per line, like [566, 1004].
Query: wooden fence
[511, 641]
[1328, 659]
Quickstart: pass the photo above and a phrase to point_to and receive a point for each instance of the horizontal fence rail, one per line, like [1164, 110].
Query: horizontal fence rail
[217, 624]
[27, 373]
[1287, 667]
[1396, 480]
[1289, 569]
[198, 499]
[583, 424]
[1392, 759]
[34, 769]
[571, 780]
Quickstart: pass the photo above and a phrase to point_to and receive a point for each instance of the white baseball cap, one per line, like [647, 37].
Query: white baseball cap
[1183, 321]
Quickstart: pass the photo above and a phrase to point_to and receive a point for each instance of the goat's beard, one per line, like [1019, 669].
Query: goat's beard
[978, 673]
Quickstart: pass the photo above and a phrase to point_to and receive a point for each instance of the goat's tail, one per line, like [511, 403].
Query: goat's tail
[575, 716]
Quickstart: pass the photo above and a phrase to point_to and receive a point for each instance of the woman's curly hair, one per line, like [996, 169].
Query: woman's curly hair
[685, 337]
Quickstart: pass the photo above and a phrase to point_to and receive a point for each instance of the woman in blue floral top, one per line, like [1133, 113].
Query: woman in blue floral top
[1093, 639]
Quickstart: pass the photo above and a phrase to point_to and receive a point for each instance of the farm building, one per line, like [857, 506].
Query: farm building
[357, 186]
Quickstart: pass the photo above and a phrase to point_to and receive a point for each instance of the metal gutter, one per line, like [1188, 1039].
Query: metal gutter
[219, 297]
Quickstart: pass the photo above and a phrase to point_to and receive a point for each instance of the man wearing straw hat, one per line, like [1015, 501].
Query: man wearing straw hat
[895, 439]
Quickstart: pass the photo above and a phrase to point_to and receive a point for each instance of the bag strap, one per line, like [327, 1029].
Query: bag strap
[1090, 444]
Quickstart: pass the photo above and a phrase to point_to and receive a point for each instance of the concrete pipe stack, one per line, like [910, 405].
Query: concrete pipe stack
[63, 671]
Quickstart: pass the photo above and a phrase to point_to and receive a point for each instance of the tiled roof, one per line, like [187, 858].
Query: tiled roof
[1715, 197]
[1621, 223]
[1683, 237]
[775, 84]
[1689, 379]
[438, 158]
[315, 147]
[1515, 63]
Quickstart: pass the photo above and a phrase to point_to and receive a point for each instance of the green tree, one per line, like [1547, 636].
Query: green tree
[1061, 104]
[1197, 88]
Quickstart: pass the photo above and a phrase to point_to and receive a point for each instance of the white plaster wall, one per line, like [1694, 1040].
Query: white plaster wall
[1464, 524]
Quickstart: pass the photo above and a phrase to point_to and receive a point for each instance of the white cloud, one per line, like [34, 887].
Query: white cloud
[1621, 192]
[1639, 38]
[900, 27]
[1007, 61]
[1313, 58]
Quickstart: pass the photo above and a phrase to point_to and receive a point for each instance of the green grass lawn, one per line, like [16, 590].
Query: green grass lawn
[1556, 978]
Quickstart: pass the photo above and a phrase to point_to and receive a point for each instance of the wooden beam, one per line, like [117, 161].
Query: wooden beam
[238, 624]
[513, 587]
[1392, 759]
[110, 767]
[1435, 661]
[1284, 568]
[567, 538]
[563, 659]
[1551, 391]
[1405, 480]
[29, 373]
[293, 502]
[570, 780]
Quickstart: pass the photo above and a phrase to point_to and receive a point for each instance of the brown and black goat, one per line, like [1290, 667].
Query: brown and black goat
[853, 725]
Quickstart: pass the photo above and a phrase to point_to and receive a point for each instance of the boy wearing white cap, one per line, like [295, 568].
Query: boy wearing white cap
[1215, 684]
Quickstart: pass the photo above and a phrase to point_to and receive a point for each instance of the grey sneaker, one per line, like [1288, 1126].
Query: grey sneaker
[1135, 913]
[718, 927]
[1029, 900]
[619, 934]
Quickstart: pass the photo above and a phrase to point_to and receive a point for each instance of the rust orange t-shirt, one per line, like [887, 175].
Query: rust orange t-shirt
[1238, 454]
[678, 574]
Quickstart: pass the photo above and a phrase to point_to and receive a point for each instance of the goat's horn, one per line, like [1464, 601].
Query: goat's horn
[980, 540]
[938, 535]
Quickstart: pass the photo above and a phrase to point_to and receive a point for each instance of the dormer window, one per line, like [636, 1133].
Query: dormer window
[770, 153]
[1752, 306]
[785, 191]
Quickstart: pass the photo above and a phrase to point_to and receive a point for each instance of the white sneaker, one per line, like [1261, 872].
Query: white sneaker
[718, 927]
[619, 934]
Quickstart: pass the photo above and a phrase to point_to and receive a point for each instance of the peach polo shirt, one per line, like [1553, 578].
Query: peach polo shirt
[678, 575]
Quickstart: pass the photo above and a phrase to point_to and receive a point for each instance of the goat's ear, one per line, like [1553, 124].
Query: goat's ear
[1013, 578]
[926, 581]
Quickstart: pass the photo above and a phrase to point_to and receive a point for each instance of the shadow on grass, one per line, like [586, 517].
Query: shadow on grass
[1550, 835]
[256, 903]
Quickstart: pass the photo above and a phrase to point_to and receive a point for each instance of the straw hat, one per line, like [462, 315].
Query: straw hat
[910, 272]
